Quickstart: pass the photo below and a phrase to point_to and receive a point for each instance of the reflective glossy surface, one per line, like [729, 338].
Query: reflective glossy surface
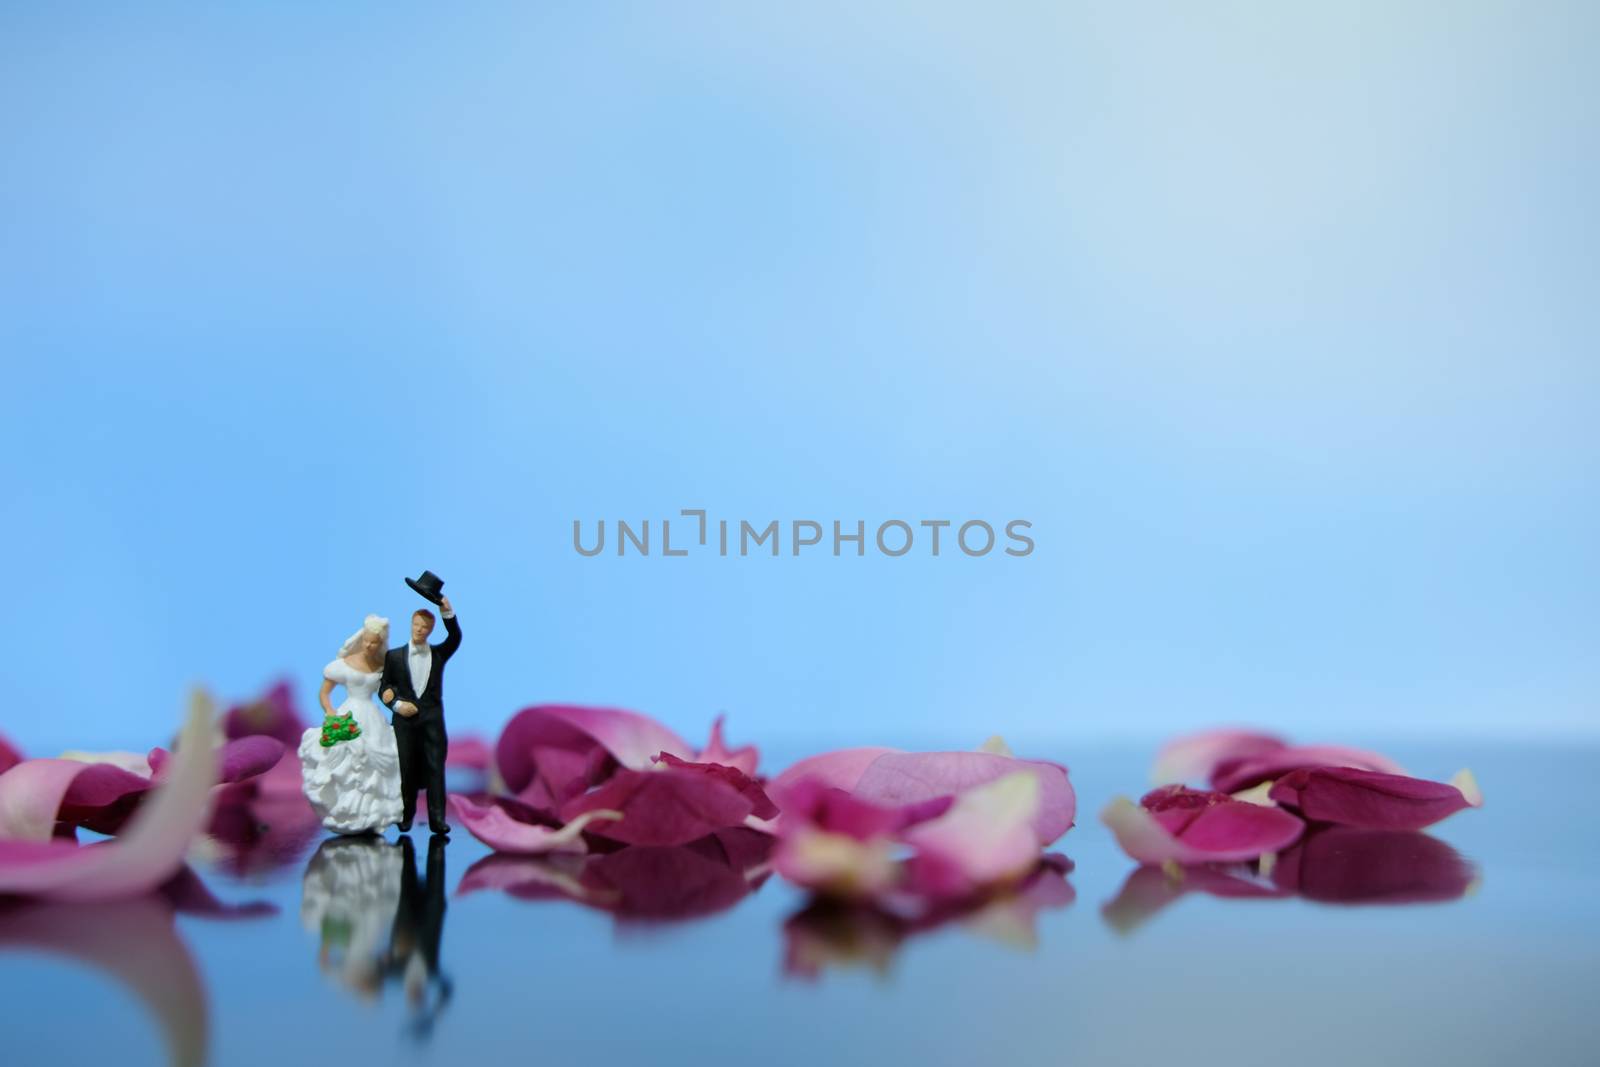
[1476, 943]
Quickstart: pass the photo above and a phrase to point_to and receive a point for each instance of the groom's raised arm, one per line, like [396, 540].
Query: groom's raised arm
[452, 629]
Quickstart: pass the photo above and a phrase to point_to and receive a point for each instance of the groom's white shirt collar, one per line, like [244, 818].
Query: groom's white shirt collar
[420, 661]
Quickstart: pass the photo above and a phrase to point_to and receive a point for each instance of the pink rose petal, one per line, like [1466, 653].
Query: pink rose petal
[31, 794]
[549, 753]
[743, 759]
[1195, 758]
[1176, 825]
[1235, 774]
[10, 755]
[1351, 797]
[273, 714]
[837, 811]
[102, 797]
[663, 807]
[986, 838]
[837, 865]
[469, 752]
[901, 778]
[495, 827]
[761, 806]
[246, 757]
[238, 759]
[840, 769]
[149, 852]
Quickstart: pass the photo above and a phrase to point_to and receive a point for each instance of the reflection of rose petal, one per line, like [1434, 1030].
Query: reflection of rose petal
[527, 877]
[134, 942]
[646, 882]
[638, 882]
[1011, 918]
[150, 850]
[257, 826]
[1348, 865]
[832, 934]
[826, 934]
[1201, 828]
[1351, 797]
[188, 894]
[1148, 890]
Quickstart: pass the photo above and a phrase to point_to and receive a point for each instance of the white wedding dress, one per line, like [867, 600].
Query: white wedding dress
[354, 785]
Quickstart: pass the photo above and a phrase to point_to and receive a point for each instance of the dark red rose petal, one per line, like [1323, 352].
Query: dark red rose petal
[1348, 796]
[671, 807]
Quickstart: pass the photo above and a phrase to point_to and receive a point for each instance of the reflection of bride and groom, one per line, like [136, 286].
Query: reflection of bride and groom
[360, 772]
[378, 921]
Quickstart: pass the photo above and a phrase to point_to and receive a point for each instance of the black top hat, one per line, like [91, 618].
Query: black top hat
[430, 586]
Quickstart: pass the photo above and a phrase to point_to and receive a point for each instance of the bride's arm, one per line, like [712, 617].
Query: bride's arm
[322, 697]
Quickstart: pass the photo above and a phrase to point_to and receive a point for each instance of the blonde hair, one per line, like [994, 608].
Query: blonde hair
[373, 624]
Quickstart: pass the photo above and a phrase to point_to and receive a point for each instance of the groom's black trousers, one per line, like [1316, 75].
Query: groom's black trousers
[421, 743]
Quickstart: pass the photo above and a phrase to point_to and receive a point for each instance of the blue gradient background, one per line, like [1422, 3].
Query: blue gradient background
[1278, 323]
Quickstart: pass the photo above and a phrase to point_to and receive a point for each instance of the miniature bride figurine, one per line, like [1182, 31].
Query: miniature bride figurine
[350, 765]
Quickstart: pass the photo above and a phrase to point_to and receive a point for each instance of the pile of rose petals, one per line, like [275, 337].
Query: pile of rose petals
[909, 829]
[868, 824]
[151, 841]
[153, 806]
[577, 779]
[1264, 793]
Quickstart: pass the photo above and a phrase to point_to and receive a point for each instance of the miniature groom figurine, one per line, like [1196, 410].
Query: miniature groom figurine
[413, 688]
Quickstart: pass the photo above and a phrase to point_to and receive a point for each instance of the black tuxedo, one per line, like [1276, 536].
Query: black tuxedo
[421, 738]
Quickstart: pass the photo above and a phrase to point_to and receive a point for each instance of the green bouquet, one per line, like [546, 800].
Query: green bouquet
[337, 728]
